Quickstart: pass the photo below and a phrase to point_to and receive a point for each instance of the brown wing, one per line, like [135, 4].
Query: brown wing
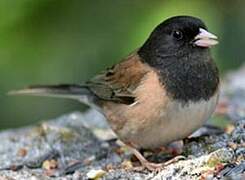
[119, 82]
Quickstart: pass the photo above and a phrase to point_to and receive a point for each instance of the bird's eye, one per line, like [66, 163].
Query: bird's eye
[178, 35]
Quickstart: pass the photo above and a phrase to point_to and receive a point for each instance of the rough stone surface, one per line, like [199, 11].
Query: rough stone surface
[72, 145]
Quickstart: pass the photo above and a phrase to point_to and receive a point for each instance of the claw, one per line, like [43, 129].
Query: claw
[154, 166]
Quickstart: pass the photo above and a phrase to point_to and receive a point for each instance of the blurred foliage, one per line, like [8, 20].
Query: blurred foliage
[61, 41]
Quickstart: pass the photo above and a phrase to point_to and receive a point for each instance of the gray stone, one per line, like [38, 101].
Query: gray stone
[69, 146]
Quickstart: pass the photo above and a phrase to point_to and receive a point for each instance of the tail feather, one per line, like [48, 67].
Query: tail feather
[63, 91]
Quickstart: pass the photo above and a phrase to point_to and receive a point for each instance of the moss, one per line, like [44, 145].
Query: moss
[213, 162]
[221, 156]
[66, 134]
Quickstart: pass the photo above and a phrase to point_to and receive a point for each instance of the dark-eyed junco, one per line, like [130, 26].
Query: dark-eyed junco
[160, 93]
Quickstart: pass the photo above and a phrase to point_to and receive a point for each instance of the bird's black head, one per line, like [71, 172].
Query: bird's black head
[177, 36]
[179, 49]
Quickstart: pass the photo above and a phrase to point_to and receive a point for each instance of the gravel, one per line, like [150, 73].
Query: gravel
[76, 144]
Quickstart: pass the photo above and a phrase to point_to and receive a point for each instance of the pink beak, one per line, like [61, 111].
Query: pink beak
[205, 39]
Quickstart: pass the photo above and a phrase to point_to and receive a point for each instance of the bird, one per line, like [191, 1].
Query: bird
[160, 93]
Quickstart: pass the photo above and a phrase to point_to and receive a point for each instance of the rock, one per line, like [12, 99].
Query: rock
[233, 94]
[74, 145]
[65, 147]
[221, 156]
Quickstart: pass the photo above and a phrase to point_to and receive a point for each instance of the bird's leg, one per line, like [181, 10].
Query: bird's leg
[150, 165]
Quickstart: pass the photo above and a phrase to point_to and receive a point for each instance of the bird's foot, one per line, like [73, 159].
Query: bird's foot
[154, 166]
[159, 166]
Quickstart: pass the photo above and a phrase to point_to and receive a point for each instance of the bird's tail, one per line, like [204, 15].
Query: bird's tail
[69, 91]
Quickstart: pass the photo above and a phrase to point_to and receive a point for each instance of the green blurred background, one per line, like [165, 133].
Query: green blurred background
[68, 41]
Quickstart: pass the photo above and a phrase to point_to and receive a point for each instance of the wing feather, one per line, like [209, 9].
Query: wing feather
[119, 82]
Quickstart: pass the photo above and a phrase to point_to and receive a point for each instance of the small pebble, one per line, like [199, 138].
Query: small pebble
[50, 164]
[95, 174]
[22, 152]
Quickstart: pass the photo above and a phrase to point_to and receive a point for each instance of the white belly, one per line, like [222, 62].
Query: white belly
[175, 123]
